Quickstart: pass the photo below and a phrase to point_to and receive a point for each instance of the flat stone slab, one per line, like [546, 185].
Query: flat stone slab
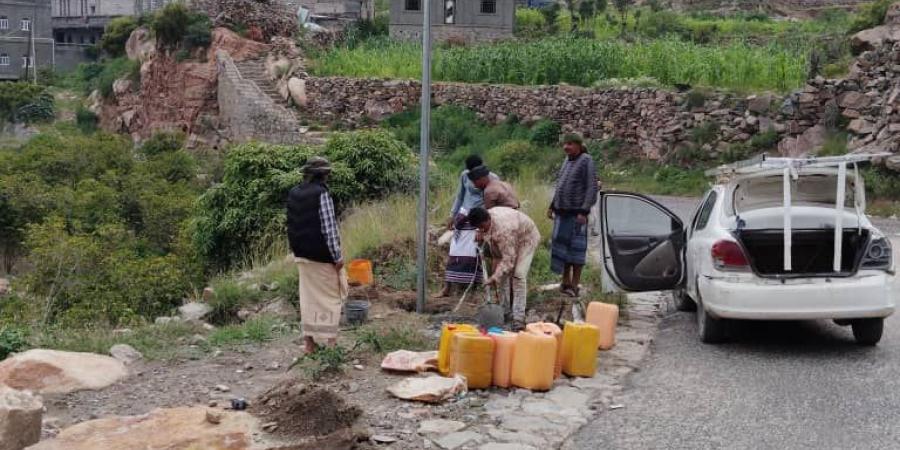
[505, 446]
[456, 440]
[440, 426]
[55, 372]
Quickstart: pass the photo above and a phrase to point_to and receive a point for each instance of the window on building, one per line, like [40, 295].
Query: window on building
[488, 6]
[93, 9]
[26, 24]
[449, 11]
[4, 23]
[27, 62]
[4, 59]
[413, 5]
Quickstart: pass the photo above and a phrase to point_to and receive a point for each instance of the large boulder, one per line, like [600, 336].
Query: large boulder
[874, 38]
[20, 419]
[125, 353]
[806, 144]
[141, 45]
[4, 286]
[56, 372]
[187, 428]
[297, 89]
[194, 311]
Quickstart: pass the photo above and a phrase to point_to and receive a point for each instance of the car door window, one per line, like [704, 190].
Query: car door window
[632, 217]
[706, 211]
[644, 242]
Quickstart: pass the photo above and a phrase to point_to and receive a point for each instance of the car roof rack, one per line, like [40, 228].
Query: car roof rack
[765, 162]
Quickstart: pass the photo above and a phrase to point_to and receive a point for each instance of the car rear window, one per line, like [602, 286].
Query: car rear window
[806, 190]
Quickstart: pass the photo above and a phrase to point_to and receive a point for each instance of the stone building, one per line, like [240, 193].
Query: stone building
[338, 9]
[26, 40]
[83, 21]
[468, 20]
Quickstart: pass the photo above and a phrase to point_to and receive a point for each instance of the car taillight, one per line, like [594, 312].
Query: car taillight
[878, 255]
[728, 255]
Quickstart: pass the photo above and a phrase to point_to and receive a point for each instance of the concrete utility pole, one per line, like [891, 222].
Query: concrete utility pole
[424, 142]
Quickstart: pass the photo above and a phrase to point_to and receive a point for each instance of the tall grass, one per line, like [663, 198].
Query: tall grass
[579, 61]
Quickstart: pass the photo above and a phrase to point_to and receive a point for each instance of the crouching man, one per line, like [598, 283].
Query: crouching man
[316, 243]
[513, 238]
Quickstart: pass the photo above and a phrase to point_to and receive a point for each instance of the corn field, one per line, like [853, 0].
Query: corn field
[581, 62]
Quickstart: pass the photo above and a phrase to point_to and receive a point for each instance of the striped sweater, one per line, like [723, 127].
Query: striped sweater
[576, 186]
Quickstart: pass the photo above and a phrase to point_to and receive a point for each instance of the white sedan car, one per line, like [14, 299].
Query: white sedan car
[733, 260]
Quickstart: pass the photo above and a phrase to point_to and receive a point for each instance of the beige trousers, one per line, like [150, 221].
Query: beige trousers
[514, 286]
[322, 292]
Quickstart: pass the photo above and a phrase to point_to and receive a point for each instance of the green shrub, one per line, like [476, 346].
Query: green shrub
[110, 71]
[326, 360]
[245, 214]
[25, 102]
[870, 15]
[696, 98]
[86, 120]
[545, 132]
[388, 339]
[510, 158]
[881, 183]
[835, 144]
[765, 141]
[254, 331]
[116, 34]
[176, 26]
[88, 204]
[705, 133]
[530, 23]
[12, 340]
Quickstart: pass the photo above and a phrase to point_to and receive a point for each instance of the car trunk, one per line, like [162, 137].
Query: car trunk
[812, 251]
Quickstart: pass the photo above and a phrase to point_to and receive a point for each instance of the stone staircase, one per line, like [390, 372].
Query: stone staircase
[254, 70]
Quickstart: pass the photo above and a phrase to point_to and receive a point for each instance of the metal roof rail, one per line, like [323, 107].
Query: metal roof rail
[765, 162]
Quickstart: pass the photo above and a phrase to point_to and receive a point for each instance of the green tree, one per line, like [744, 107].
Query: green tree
[551, 15]
[116, 35]
[586, 9]
[622, 6]
[600, 6]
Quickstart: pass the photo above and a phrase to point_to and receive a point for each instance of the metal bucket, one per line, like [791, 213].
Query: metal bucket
[356, 311]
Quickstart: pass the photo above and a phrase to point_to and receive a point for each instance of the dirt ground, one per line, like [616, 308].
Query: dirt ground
[214, 379]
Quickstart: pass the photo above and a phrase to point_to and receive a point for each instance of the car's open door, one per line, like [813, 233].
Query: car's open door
[643, 243]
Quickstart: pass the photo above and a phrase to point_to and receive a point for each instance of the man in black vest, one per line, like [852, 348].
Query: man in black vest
[316, 243]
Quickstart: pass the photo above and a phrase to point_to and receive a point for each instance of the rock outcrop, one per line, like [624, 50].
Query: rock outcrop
[173, 95]
[20, 419]
[56, 372]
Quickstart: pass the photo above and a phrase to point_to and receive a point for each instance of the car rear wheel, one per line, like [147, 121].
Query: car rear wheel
[683, 301]
[712, 330]
[867, 331]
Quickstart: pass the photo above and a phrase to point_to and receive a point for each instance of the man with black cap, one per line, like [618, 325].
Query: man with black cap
[316, 243]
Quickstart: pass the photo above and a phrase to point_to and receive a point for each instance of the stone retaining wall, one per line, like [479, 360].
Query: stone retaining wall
[654, 122]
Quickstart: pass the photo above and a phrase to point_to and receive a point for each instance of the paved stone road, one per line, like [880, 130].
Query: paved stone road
[774, 385]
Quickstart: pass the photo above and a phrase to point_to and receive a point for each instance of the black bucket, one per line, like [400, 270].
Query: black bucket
[356, 311]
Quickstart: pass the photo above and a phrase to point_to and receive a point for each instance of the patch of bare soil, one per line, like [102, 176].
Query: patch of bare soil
[295, 409]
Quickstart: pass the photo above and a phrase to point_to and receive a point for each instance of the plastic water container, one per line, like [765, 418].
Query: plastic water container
[579, 349]
[533, 361]
[473, 358]
[605, 317]
[553, 330]
[359, 272]
[504, 347]
[444, 347]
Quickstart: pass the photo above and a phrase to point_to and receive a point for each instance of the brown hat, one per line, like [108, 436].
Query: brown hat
[317, 165]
